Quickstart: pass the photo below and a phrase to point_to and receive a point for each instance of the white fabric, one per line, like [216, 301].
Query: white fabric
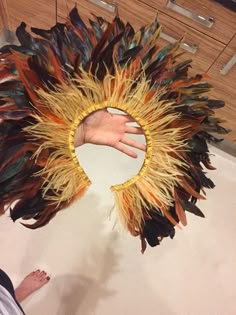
[8, 305]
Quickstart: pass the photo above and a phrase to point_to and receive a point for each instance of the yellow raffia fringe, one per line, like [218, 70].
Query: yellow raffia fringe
[160, 173]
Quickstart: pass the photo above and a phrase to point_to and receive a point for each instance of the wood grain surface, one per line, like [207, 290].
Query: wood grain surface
[208, 48]
[41, 14]
[4, 17]
[225, 87]
[85, 7]
[224, 26]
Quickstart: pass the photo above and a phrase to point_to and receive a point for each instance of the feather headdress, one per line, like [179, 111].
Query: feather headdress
[50, 83]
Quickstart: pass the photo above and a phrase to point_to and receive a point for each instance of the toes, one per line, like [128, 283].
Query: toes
[44, 280]
[39, 276]
[42, 275]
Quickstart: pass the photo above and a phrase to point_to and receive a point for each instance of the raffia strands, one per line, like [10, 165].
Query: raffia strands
[161, 171]
[70, 104]
[62, 173]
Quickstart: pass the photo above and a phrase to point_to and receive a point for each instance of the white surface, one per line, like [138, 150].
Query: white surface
[98, 269]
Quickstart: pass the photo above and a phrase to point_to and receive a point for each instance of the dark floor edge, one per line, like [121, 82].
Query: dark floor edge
[226, 146]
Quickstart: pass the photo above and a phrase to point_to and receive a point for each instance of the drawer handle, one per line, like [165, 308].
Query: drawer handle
[228, 66]
[205, 21]
[192, 49]
[111, 7]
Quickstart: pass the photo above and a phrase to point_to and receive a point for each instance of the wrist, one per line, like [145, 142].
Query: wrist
[79, 135]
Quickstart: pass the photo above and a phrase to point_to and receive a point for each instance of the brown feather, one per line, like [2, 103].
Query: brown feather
[179, 210]
[184, 184]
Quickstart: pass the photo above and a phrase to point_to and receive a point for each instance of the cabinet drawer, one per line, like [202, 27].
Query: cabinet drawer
[207, 16]
[223, 78]
[41, 14]
[205, 49]
[86, 8]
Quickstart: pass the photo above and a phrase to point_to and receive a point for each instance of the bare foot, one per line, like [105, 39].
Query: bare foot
[33, 282]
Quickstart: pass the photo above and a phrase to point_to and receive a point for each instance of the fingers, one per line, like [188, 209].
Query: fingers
[133, 143]
[120, 147]
[134, 130]
[125, 118]
[131, 129]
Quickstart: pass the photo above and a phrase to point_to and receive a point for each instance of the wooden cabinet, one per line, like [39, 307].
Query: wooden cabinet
[223, 77]
[202, 50]
[41, 14]
[207, 16]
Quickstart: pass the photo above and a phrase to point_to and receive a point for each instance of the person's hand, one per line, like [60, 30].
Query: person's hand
[104, 128]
